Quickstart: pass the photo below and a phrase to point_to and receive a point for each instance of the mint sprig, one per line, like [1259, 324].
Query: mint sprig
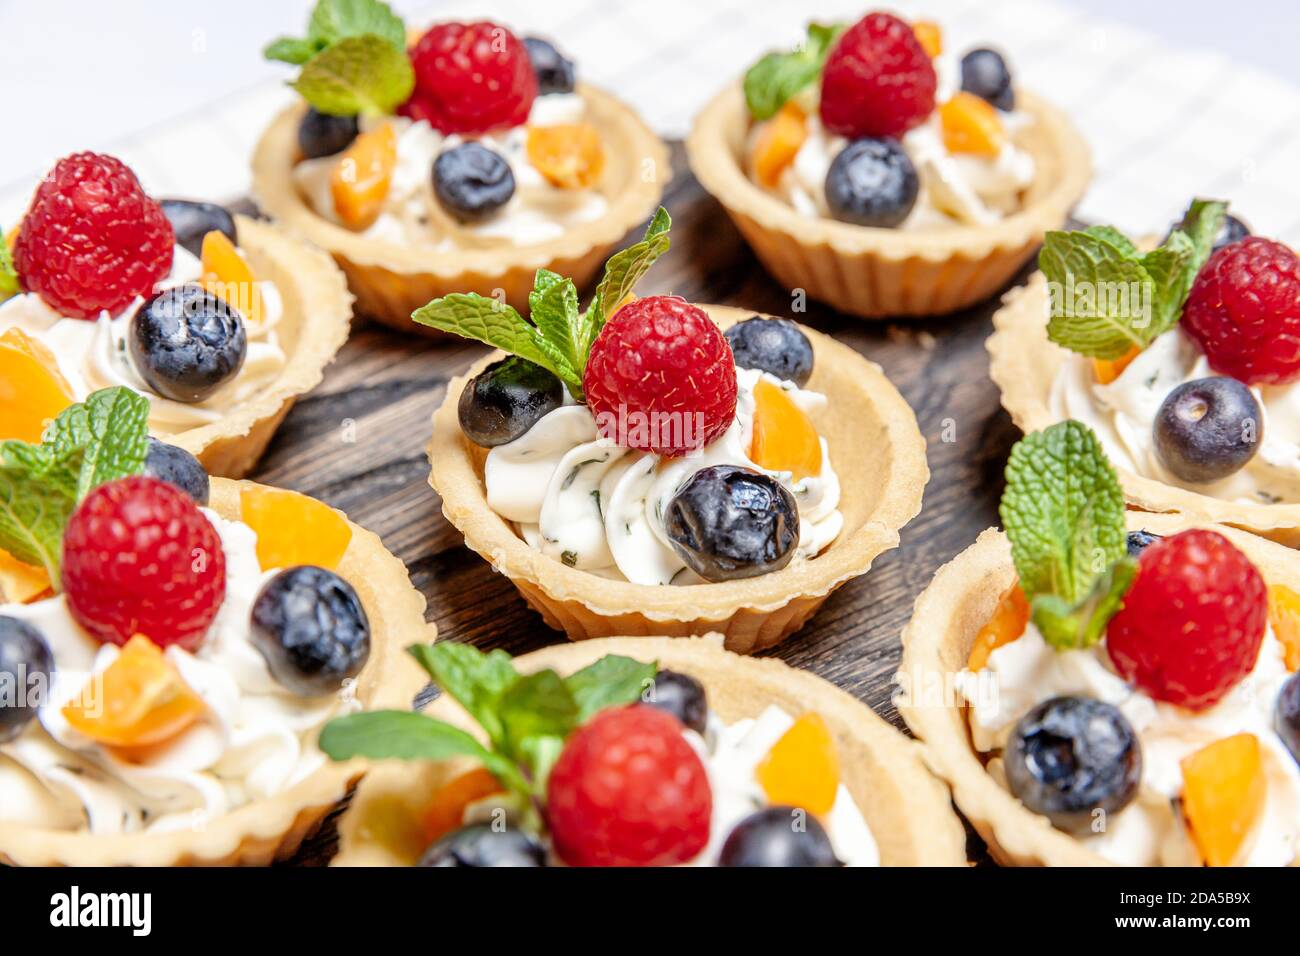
[335, 20]
[1107, 297]
[100, 440]
[526, 717]
[776, 77]
[9, 284]
[559, 338]
[1063, 509]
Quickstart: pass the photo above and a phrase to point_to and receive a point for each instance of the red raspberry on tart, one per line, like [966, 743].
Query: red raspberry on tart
[471, 78]
[878, 80]
[92, 240]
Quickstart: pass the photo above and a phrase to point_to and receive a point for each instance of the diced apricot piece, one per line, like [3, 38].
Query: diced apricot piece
[777, 143]
[1223, 797]
[971, 125]
[447, 806]
[360, 181]
[1008, 622]
[803, 768]
[21, 583]
[226, 273]
[929, 36]
[139, 700]
[32, 389]
[1284, 615]
[294, 529]
[1107, 370]
[784, 438]
[569, 155]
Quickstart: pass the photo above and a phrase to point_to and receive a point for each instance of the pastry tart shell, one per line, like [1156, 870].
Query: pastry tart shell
[936, 645]
[1024, 363]
[877, 450]
[314, 326]
[880, 273]
[907, 808]
[391, 280]
[264, 831]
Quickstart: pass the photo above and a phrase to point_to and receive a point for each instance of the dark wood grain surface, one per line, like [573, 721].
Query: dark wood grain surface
[357, 442]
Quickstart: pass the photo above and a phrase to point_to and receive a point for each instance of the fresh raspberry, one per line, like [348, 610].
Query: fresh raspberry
[471, 78]
[92, 240]
[661, 378]
[1192, 622]
[628, 790]
[1244, 310]
[140, 558]
[878, 80]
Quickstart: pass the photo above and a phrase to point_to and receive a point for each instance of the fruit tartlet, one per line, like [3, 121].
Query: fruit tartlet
[883, 176]
[219, 321]
[650, 466]
[462, 163]
[1103, 686]
[652, 752]
[171, 646]
[1181, 358]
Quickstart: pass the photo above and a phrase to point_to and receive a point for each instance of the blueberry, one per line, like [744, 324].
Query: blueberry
[872, 182]
[191, 221]
[1072, 756]
[187, 342]
[772, 345]
[1231, 230]
[506, 399]
[554, 70]
[178, 467]
[320, 134]
[472, 182]
[682, 696]
[1207, 429]
[728, 522]
[311, 628]
[1139, 541]
[1286, 719]
[482, 845]
[26, 670]
[985, 73]
[778, 836]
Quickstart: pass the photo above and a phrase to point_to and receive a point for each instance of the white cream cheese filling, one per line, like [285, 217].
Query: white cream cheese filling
[93, 353]
[255, 740]
[600, 507]
[1149, 831]
[537, 212]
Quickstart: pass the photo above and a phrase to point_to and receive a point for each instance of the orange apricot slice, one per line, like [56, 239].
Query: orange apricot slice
[569, 155]
[293, 529]
[777, 143]
[139, 700]
[1009, 620]
[21, 583]
[1284, 615]
[1107, 370]
[803, 768]
[784, 438]
[32, 389]
[360, 180]
[447, 807]
[929, 36]
[1223, 797]
[226, 273]
[971, 125]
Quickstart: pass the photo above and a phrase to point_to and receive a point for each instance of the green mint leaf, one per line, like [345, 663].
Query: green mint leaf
[335, 20]
[611, 681]
[539, 755]
[475, 680]
[553, 307]
[494, 323]
[776, 77]
[9, 284]
[358, 74]
[1099, 295]
[33, 511]
[109, 433]
[623, 271]
[536, 705]
[1114, 237]
[291, 50]
[1063, 510]
[1201, 223]
[1071, 627]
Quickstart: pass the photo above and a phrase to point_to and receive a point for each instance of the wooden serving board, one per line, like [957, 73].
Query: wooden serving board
[357, 442]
